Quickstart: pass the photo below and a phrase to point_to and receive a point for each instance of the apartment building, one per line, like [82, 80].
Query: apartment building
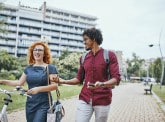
[62, 29]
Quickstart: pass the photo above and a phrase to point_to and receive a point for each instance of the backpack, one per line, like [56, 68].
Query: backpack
[106, 59]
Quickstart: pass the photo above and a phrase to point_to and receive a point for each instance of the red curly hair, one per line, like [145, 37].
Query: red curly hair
[47, 56]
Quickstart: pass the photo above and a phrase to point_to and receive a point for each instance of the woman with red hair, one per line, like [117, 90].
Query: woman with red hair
[35, 74]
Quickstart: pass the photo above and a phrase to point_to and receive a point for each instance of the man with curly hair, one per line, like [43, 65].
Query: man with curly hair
[96, 94]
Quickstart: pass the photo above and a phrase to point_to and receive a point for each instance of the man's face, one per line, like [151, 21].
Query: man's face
[88, 42]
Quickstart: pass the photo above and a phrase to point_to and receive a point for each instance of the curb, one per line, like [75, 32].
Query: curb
[162, 104]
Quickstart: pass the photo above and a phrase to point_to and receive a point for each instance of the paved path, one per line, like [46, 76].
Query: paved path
[129, 104]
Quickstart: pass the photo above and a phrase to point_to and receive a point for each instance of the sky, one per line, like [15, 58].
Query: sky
[127, 25]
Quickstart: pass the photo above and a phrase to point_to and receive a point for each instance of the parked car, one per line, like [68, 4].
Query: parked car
[149, 80]
[152, 81]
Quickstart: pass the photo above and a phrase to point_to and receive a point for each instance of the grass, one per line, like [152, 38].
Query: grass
[159, 92]
[69, 91]
[19, 101]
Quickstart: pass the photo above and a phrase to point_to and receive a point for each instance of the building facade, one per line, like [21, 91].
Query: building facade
[62, 29]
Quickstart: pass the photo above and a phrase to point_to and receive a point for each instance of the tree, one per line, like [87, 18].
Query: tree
[134, 66]
[157, 69]
[151, 70]
[64, 54]
[22, 64]
[67, 64]
[7, 62]
[8, 66]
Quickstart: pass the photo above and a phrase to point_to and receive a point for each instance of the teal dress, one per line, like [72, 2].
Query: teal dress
[37, 106]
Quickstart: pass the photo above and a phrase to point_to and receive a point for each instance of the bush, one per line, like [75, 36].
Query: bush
[11, 77]
[7, 75]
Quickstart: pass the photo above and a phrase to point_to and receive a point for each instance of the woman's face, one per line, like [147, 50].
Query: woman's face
[38, 53]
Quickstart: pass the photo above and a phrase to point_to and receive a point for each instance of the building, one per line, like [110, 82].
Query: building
[119, 55]
[62, 29]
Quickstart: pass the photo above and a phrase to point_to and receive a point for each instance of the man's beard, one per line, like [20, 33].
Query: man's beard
[87, 49]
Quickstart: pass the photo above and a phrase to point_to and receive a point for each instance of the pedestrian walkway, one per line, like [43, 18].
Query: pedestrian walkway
[129, 104]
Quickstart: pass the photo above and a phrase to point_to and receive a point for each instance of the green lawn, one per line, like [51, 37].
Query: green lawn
[160, 92]
[19, 101]
[69, 91]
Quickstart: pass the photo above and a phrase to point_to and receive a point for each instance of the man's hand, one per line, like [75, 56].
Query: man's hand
[94, 85]
[61, 81]
[54, 78]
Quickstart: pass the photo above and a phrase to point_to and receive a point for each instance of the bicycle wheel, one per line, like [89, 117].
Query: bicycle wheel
[4, 118]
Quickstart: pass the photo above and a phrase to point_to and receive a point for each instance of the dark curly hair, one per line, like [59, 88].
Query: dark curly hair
[94, 33]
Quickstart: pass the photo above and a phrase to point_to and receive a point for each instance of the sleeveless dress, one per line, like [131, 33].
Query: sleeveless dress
[37, 106]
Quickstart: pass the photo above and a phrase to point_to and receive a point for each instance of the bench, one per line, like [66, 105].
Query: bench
[148, 89]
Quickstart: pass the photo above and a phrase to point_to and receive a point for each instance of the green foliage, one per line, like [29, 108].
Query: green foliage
[151, 70]
[9, 75]
[64, 54]
[134, 66]
[7, 61]
[67, 64]
[157, 69]
[11, 67]
[22, 64]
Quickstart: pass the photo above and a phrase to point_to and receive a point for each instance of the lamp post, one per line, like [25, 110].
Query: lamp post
[162, 75]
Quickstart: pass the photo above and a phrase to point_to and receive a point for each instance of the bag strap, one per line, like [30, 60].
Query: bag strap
[83, 70]
[57, 91]
[58, 94]
[47, 71]
[107, 61]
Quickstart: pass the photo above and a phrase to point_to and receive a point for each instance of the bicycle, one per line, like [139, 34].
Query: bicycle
[7, 100]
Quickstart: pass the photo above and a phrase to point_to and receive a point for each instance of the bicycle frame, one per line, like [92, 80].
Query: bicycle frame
[3, 115]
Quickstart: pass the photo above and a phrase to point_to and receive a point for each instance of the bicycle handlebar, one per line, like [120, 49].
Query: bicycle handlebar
[5, 91]
[18, 88]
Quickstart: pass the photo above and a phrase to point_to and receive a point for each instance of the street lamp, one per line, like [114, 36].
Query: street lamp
[162, 75]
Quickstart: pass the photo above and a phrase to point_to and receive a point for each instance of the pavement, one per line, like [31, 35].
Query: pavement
[129, 104]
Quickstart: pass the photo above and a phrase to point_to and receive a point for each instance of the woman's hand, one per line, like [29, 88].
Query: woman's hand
[34, 90]
[1, 82]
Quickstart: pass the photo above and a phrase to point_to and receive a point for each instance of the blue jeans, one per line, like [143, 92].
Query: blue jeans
[84, 112]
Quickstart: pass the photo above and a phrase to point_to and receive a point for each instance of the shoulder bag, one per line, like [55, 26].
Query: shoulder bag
[56, 111]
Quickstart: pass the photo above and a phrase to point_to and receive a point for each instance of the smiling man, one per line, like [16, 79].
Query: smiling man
[96, 94]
